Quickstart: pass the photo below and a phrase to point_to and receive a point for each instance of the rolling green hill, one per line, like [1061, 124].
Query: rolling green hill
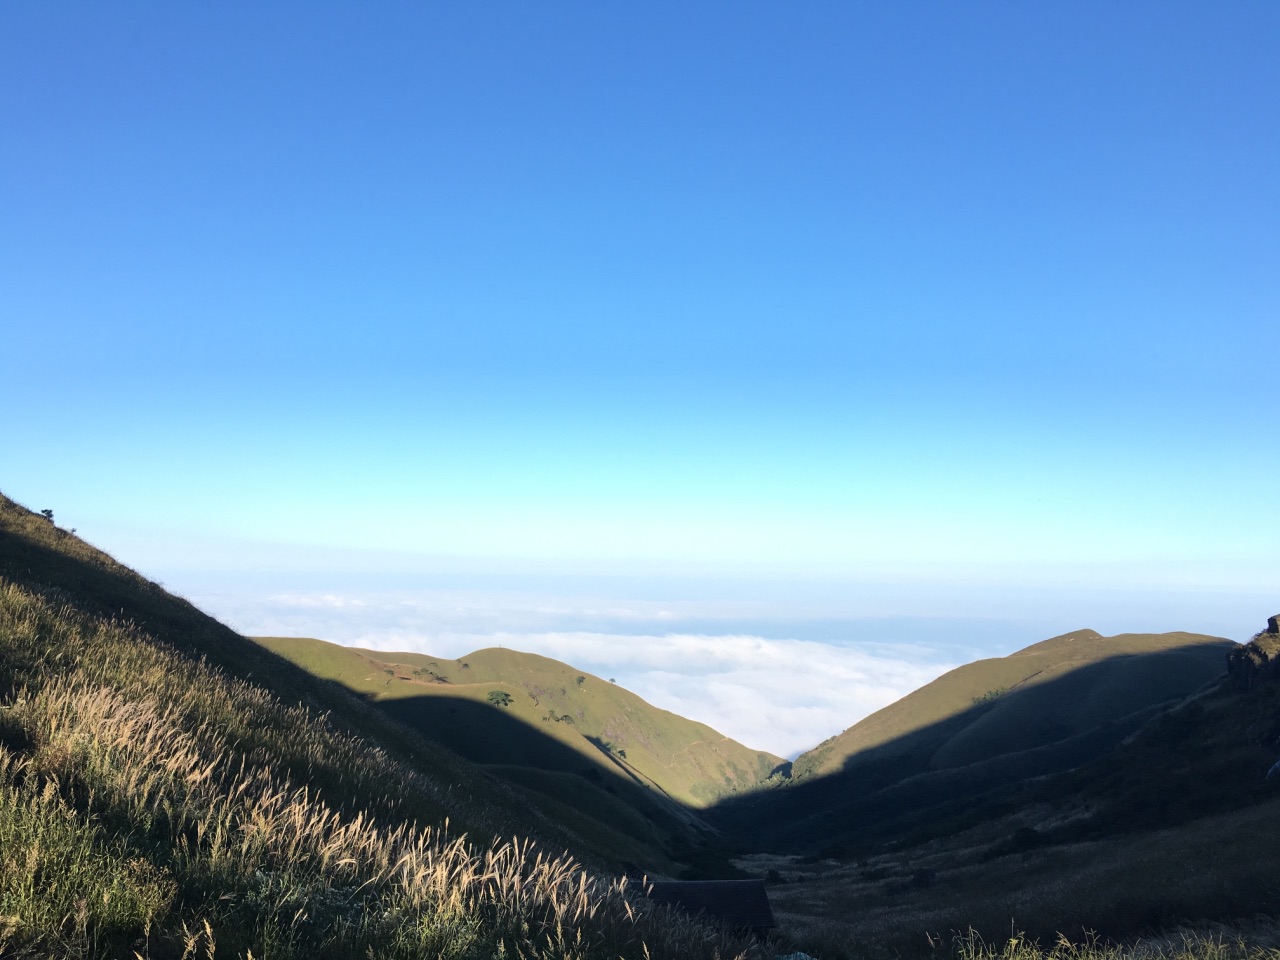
[1049, 692]
[961, 743]
[521, 711]
[1173, 825]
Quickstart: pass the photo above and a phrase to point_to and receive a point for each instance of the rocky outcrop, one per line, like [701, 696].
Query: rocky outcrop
[1257, 661]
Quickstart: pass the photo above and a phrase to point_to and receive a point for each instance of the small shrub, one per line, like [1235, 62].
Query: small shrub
[990, 696]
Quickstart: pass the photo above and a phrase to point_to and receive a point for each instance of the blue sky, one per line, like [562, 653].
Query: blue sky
[967, 310]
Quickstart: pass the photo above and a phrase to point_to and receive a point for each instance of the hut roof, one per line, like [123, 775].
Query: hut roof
[737, 903]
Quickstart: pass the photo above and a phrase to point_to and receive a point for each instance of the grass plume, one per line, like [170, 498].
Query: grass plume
[152, 804]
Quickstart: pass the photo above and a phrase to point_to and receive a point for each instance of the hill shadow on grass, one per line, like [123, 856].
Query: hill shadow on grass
[1158, 819]
[932, 781]
[593, 796]
[591, 791]
[967, 768]
[37, 556]
[489, 735]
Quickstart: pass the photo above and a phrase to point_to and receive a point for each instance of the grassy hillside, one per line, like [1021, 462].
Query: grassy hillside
[1048, 692]
[1171, 824]
[1201, 756]
[956, 748]
[1175, 825]
[576, 722]
[170, 789]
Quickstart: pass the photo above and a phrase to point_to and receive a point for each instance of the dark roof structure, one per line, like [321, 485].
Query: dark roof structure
[735, 903]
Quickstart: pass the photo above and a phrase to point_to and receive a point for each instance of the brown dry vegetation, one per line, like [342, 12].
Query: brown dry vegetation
[1203, 943]
[153, 805]
[909, 901]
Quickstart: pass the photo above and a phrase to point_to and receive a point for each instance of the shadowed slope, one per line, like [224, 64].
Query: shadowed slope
[1172, 823]
[603, 727]
[628, 825]
[963, 740]
[37, 556]
[163, 793]
[1018, 707]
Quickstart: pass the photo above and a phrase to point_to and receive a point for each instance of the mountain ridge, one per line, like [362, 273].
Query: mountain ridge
[606, 725]
[986, 684]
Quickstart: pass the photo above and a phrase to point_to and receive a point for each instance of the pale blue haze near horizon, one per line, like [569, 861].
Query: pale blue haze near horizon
[825, 323]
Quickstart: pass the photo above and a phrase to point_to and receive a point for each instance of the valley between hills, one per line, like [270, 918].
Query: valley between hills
[169, 788]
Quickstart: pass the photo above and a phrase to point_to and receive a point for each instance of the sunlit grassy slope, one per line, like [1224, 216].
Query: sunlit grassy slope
[558, 718]
[1048, 692]
[169, 789]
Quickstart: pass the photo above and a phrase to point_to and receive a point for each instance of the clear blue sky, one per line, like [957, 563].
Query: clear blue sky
[903, 286]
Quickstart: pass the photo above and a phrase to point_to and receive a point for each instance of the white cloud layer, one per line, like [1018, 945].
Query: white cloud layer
[783, 696]
[775, 693]
[777, 665]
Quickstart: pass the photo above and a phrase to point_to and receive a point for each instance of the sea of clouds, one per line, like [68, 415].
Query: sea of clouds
[780, 694]
[783, 696]
[779, 663]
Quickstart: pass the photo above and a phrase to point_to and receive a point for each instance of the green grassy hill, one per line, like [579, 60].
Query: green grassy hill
[955, 748]
[573, 722]
[169, 789]
[1173, 826]
[1049, 692]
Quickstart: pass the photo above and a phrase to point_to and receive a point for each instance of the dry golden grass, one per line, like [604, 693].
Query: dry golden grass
[149, 803]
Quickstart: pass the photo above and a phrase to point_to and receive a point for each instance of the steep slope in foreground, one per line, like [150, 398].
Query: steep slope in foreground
[574, 722]
[169, 789]
[1048, 692]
